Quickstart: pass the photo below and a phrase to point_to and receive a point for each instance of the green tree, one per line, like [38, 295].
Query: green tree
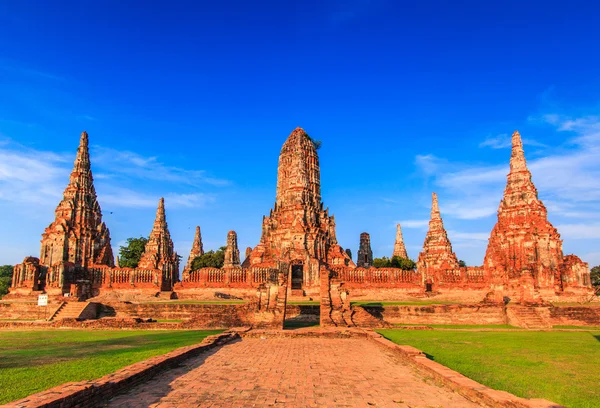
[595, 276]
[406, 264]
[462, 264]
[130, 254]
[384, 262]
[210, 259]
[316, 143]
[6, 273]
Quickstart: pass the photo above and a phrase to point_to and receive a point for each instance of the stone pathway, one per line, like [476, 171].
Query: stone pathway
[292, 372]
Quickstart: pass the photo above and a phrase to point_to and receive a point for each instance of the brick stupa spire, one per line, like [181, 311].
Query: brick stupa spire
[523, 239]
[78, 234]
[232, 252]
[159, 252]
[399, 247]
[437, 252]
[365, 254]
[299, 228]
[196, 251]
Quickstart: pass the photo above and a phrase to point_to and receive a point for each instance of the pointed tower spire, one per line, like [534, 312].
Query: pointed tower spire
[399, 248]
[78, 234]
[523, 238]
[159, 252]
[437, 252]
[196, 251]
[517, 158]
[160, 213]
[435, 208]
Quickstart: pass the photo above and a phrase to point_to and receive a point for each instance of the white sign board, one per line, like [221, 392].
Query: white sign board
[43, 300]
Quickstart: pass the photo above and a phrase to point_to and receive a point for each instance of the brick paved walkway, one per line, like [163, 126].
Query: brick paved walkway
[292, 372]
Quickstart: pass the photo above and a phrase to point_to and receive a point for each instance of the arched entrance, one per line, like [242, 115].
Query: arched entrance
[297, 276]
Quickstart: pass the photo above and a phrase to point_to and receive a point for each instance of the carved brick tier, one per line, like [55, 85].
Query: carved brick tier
[78, 234]
[399, 247]
[523, 241]
[159, 252]
[232, 252]
[196, 251]
[365, 254]
[437, 256]
[299, 230]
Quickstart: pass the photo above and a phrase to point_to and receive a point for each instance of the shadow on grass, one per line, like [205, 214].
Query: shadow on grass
[597, 337]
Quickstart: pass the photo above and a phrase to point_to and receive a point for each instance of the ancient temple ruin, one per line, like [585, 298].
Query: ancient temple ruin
[298, 249]
[523, 244]
[76, 257]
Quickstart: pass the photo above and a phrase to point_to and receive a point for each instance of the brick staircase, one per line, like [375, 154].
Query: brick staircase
[69, 310]
[340, 319]
[528, 317]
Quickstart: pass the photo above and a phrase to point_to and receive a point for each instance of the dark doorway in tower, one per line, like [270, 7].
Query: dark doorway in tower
[428, 287]
[297, 277]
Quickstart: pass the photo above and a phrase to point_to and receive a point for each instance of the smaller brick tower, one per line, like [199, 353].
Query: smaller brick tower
[159, 252]
[232, 252]
[365, 254]
[399, 247]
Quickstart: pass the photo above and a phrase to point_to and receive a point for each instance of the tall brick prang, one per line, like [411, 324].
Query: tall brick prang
[437, 254]
[159, 252]
[399, 247]
[523, 241]
[299, 230]
[78, 234]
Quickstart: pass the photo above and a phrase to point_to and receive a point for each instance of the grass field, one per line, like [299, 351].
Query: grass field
[558, 366]
[33, 361]
[463, 326]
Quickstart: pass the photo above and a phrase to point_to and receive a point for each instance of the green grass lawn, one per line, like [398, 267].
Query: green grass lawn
[463, 326]
[33, 361]
[558, 366]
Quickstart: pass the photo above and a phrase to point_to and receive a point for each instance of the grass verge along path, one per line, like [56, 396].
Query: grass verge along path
[33, 361]
[558, 366]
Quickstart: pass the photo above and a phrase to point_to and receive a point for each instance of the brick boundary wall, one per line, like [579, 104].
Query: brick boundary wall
[457, 382]
[95, 392]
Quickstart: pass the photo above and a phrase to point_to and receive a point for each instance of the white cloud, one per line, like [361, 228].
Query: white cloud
[421, 224]
[131, 164]
[592, 258]
[469, 236]
[504, 141]
[37, 178]
[579, 231]
[567, 177]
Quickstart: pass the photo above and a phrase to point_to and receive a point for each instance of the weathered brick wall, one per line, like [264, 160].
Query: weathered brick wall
[575, 316]
[21, 310]
[440, 314]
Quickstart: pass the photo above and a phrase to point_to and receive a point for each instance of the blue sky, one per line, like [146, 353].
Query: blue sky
[193, 100]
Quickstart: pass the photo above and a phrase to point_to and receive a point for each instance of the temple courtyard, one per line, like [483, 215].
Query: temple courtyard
[309, 366]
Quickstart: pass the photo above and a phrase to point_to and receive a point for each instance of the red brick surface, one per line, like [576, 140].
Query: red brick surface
[293, 372]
